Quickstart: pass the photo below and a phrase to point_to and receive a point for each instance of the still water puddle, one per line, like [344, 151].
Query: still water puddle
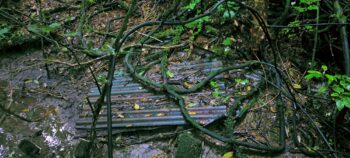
[46, 131]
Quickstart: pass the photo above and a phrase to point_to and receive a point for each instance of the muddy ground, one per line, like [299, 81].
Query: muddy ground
[52, 104]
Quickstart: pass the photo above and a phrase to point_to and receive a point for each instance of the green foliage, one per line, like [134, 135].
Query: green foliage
[69, 18]
[3, 32]
[192, 5]
[102, 79]
[211, 29]
[91, 1]
[228, 10]
[216, 92]
[241, 81]
[222, 51]
[37, 28]
[242, 84]
[306, 5]
[71, 34]
[338, 85]
[303, 7]
[95, 51]
[176, 32]
[108, 48]
[169, 74]
[227, 42]
[197, 25]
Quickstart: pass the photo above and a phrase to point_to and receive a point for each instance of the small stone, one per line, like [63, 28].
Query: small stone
[29, 148]
[81, 151]
[188, 146]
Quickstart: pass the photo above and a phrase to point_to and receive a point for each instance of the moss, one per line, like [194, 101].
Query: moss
[188, 146]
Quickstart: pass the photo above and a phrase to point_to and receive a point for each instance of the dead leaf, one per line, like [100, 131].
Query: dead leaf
[160, 114]
[249, 88]
[148, 115]
[120, 115]
[144, 99]
[25, 110]
[187, 85]
[226, 76]
[191, 105]
[228, 155]
[296, 86]
[192, 112]
[273, 109]
[136, 106]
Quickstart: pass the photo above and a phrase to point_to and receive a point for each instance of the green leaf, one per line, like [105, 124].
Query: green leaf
[299, 9]
[216, 93]
[213, 84]
[4, 31]
[211, 29]
[347, 94]
[345, 85]
[197, 23]
[102, 79]
[309, 76]
[70, 18]
[94, 52]
[335, 95]
[295, 23]
[312, 7]
[309, 28]
[91, 1]
[55, 26]
[71, 34]
[308, 2]
[33, 28]
[330, 78]
[338, 89]
[141, 73]
[227, 42]
[192, 105]
[45, 29]
[229, 14]
[324, 67]
[107, 48]
[322, 89]
[346, 101]
[192, 5]
[313, 74]
[169, 74]
[340, 105]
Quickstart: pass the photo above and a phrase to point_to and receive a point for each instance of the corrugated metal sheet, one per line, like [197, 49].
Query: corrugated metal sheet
[155, 109]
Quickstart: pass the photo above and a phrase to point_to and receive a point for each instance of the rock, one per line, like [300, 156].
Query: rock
[188, 146]
[145, 151]
[29, 148]
[140, 151]
[81, 151]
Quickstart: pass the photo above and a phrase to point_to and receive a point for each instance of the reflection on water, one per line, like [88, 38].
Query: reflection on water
[51, 137]
[3, 151]
[49, 133]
